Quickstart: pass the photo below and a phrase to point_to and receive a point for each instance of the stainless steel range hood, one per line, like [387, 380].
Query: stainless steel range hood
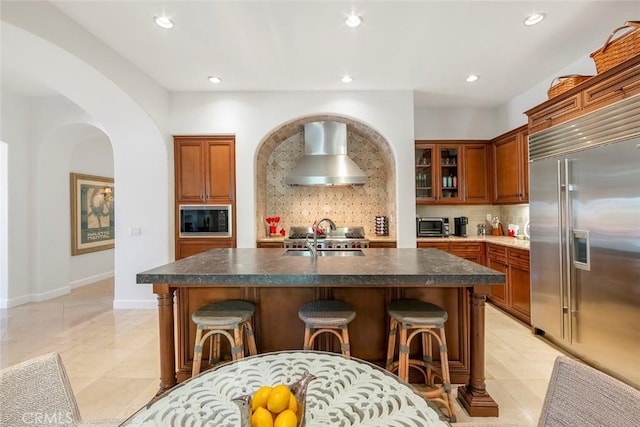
[325, 160]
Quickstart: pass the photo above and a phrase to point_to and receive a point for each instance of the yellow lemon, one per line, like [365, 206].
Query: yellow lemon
[260, 397]
[286, 418]
[278, 399]
[293, 404]
[261, 418]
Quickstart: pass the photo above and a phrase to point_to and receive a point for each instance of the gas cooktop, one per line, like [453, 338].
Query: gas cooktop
[341, 237]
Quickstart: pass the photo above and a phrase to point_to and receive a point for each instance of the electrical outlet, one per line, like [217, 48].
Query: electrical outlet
[489, 217]
[135, 231]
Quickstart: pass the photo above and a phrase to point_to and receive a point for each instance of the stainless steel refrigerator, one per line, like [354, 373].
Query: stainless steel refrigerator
[585, 237]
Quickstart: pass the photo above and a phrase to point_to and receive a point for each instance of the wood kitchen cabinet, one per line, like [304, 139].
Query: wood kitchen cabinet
[451, 172]
[472, 251]
[204, 169]
[615, 84]
[560, 111]
[437, 173]
[443, 246]
[476, 178]
[497, 260]
[382, 244]
[515, 296]
[520, 283]
[620, 85]
[511, 167]
[270, 245]
[188, 247]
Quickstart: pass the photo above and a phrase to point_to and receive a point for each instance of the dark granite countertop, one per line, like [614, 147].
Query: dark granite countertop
[387, 267]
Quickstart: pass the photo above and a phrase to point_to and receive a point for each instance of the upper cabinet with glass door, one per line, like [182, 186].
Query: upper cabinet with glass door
[437, 177]
[425, 172]
[453, 172]
[449, 160]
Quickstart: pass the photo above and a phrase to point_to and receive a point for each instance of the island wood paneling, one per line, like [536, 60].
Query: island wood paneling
[278, 327]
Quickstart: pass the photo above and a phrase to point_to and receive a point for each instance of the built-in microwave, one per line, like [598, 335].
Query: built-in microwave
[205, 220]
[432, 227]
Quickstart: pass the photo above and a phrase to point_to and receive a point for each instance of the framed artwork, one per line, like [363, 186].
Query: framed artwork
[92, 214]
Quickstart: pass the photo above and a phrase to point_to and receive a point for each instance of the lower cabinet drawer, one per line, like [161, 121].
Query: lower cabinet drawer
[497, 252]
[519, 258]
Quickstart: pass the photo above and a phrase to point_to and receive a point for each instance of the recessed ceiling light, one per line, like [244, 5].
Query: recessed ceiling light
[472, 78]
[164, 22]
[533, 19]
[215, 79]
[347, 78]
[353, 21]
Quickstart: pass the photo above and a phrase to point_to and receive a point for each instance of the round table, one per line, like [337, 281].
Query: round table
[347, 392]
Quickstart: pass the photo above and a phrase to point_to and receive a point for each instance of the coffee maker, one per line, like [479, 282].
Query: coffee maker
[460, 226]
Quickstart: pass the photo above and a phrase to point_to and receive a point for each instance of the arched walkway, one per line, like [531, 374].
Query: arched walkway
[140, 156]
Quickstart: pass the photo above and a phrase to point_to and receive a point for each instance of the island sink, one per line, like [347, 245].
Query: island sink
[325, 252]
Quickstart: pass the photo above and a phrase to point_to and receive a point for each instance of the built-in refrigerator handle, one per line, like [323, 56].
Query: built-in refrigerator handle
[565, 225]
[563, 307]
[568, 256]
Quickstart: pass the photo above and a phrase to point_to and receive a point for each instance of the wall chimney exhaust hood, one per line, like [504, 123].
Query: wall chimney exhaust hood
[325, 160]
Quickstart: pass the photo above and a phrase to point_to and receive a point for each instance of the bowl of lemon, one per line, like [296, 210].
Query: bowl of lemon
[276, 406]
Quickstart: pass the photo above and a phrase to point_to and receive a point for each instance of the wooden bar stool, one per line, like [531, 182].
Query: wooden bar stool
[415, 318]
[330, 316]
[231, 319]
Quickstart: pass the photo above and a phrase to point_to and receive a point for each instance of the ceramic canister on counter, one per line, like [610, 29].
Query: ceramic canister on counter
[381, 226]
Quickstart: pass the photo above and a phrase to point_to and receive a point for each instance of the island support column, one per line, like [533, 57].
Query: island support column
[474, 397]
[166, 337]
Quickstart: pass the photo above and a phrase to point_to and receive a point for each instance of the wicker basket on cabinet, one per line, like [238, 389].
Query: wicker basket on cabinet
[564, 83]
[613, 52]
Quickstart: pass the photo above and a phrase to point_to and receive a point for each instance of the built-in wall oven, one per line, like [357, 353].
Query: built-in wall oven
[205, 220]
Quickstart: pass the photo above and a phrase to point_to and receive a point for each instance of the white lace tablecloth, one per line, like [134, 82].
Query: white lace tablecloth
[347, 392]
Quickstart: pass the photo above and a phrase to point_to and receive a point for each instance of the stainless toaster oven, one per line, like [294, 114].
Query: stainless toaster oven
[432, 227]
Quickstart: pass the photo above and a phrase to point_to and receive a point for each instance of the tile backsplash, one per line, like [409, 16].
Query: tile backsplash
[345, 205]
[477, 214]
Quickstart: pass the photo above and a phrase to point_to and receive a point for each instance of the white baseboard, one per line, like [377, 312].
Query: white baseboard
[14, 302]
[90, 279]
[135, 304]
[64, 290]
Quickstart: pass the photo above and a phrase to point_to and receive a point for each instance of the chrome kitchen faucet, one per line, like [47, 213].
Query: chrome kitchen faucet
[314, 247]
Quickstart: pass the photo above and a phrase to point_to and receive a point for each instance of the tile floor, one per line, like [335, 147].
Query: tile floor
[112, 360]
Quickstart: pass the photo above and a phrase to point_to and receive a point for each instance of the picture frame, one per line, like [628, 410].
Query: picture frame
[92, 213]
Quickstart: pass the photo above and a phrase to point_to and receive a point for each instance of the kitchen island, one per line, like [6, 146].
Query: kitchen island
[279, 284]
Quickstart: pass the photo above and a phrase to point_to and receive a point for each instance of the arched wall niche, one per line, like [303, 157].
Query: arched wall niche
[280, 150]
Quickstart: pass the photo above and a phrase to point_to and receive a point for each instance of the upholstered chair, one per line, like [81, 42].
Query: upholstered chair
[581, 396]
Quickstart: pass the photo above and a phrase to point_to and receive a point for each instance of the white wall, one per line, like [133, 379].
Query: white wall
[56, 126]
[4, 242]
[251, 116]
[14, 131]
[511, 115]
[456, 123]
[142, 163]
[92, 155]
